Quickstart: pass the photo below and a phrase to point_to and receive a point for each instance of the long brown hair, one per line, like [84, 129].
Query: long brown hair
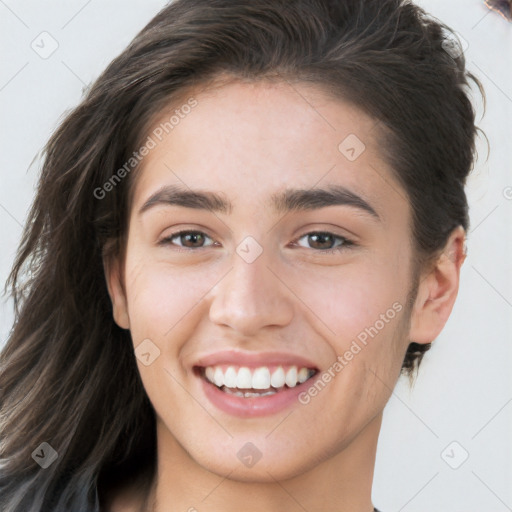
[68, 375]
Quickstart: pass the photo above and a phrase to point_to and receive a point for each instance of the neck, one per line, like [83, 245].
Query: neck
[341, 482]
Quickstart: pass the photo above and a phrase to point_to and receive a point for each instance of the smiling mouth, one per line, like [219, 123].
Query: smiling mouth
[246, 382]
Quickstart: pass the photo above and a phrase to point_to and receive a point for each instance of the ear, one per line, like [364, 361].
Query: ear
[438, 290]
[114, 277]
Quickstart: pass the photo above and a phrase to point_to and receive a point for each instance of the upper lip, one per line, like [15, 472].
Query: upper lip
[253, 359]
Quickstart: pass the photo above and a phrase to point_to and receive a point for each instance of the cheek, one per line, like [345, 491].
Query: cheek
[354, 298]
[161, 295]
[162, 302]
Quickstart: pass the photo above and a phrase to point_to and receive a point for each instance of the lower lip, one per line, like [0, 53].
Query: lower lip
[254, 406]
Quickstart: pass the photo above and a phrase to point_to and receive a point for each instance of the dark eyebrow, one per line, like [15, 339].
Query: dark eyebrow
[282, 202]
[179, 196]
[316, 198]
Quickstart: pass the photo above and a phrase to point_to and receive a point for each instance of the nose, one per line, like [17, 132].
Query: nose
[251, 296]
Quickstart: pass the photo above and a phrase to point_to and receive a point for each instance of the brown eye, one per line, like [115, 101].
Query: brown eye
[187, 239]
[326, 242]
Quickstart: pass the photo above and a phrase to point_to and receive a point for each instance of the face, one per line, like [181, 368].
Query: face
[268, 284]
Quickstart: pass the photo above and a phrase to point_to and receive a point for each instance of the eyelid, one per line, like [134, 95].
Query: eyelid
[333, 228]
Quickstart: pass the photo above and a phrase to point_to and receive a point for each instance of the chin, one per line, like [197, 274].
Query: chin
[250, 465]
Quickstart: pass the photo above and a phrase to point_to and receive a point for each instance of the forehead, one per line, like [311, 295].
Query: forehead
[251, 140]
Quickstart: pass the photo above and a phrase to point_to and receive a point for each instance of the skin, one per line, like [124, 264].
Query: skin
[247, 142]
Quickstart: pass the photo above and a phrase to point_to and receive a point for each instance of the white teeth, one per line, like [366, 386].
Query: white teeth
[261, 378]
[291, 377]
[230, 377]
[244, 378]
[218, 377]
[210, 373]
[256, 379]
[278, 378]
[303, 375]
[247, 394]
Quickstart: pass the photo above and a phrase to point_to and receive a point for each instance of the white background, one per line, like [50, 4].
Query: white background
[463, 393]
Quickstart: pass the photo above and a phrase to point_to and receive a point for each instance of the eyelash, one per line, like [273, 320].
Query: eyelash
[346, 243]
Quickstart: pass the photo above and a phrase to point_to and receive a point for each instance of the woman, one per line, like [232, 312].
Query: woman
[252, 224]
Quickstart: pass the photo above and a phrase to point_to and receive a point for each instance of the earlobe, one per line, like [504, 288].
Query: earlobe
[438, 290]
[113, 276]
